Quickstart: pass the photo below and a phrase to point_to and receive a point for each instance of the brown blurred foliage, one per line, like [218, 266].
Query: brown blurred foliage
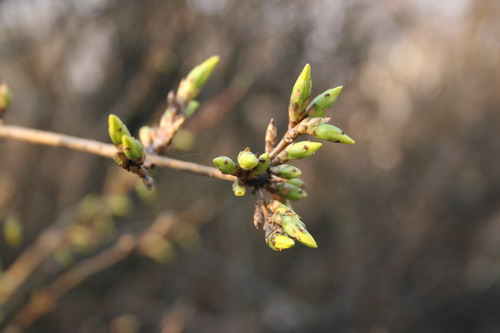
[407, 220]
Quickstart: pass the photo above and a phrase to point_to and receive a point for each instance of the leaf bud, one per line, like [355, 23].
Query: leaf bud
[132, 148]
[247, 160]
[264, 162]
[191, 85]
[225, 165]
[322, 103]
[278, 242]
[300, 94]
[286, 171]
[116, 129]
[239, 189]
[295, 228]
[291, 192]
[297, 182]
[191, 108]
[300, 150]
[331, 133]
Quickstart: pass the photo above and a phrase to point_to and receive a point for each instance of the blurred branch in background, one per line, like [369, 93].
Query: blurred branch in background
[150, 242]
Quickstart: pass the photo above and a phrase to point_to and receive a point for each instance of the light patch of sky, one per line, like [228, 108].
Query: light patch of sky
[86, 66]
[326, 17]
[208, 7]
[279, 16]
[35, 17]
[90, 7]
[446, 14]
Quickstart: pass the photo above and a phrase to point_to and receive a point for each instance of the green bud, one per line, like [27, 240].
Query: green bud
[191, 108]
[286, 171]
[116, 129]
[331, 133]
[301, 149]
[291, 192]
[300, 94]
[278, 242]
[321, 103]
[264, 162]
[132, 148]
[295, 228]
[297, 182]
[307, 239]
[13, 231]
[225, 165]
[191, 85]
[247, 160]
[5, 97]
[239, 188]
[146, 135]
[201, 73]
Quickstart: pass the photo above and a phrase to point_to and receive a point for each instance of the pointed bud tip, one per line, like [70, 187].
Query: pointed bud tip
[307, 239]
[306, 72]
[346, 139]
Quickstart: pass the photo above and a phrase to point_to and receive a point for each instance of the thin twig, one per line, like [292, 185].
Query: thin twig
[102, 149]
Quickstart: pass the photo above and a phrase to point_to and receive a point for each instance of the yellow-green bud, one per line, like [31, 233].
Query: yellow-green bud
[239, 188]
[307, 239]
[191, 85]
[247, 160]
[225, 165]
[300, 94]
[117, 129]
[132, 148]
[321, 103]
[5, 97]
[295, 228]
[13, 231]
[301, 149]
[264, 162]
[331, 133]
[191, 108]
[297, 182]
[278, 242]
[286, 171]
[291, 192]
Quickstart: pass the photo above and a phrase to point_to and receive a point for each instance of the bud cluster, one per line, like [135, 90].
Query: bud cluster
[271, 178]
[283, 226]
[251, 170]
[130, 153]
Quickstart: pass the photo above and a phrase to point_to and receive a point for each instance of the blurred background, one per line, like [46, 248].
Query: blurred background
[407, 220]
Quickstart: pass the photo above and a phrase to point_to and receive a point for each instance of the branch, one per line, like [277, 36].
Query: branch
[102, 149]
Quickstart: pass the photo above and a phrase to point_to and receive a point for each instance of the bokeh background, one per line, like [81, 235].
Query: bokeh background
[407, 220]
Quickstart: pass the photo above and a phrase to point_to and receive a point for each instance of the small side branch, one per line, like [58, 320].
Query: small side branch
[102, 149]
